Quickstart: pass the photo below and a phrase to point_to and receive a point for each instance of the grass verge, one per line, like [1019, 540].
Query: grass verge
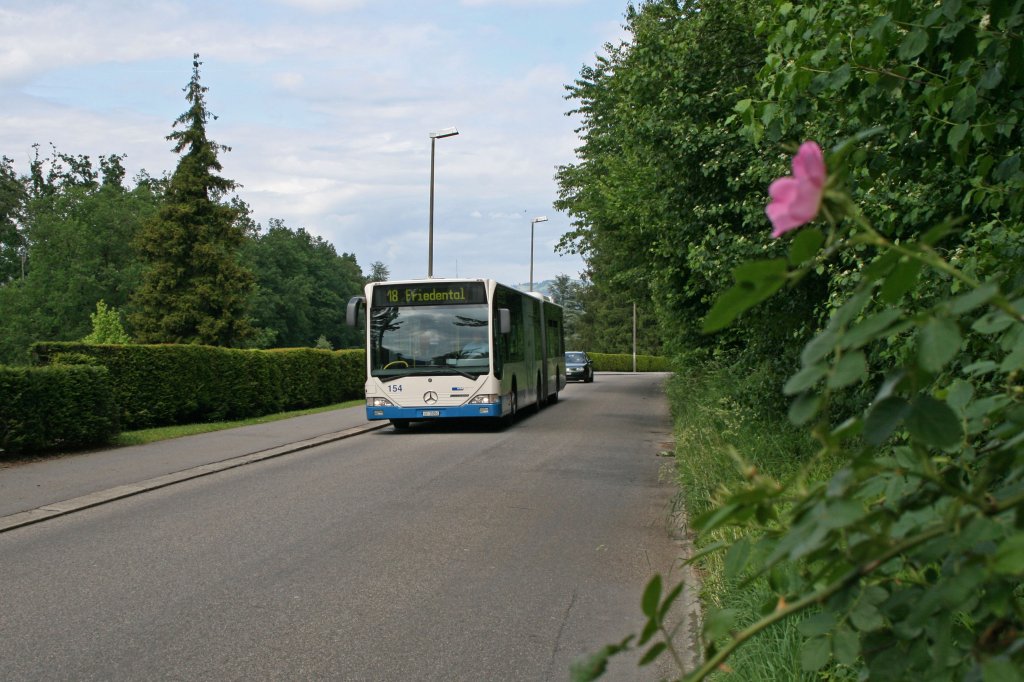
[722, 428]
[143, 436]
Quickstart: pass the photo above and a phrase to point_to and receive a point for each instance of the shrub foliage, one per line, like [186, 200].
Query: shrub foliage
[895, 323]
[156, 385]
[43, 408]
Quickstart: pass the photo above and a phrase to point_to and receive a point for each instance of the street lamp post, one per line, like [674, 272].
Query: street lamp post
[533, 222]
[447, 132]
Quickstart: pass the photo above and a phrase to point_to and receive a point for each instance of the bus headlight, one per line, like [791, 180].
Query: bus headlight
[485, 399]
[378, 402]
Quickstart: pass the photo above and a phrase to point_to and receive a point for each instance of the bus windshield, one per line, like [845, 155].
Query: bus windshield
[428, 339]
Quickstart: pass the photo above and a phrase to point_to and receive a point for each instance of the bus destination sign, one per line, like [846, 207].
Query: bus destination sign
[459, 293]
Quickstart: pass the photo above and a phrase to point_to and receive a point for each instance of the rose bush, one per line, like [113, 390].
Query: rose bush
[909, 558]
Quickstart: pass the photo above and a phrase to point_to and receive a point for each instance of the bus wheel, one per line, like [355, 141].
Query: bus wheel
[400, 424]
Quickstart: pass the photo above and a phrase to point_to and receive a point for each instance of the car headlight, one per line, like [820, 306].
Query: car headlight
[485, 399]
[378, 402]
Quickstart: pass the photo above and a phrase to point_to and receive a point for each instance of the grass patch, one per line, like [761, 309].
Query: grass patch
[723, 427]
[143, 436]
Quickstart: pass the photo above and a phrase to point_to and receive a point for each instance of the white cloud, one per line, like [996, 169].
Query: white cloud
[324, 6]
[327, 107]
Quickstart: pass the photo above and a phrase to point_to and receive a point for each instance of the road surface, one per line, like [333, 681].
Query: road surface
[437, 553]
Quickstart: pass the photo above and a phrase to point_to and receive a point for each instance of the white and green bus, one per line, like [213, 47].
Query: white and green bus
[458, 349]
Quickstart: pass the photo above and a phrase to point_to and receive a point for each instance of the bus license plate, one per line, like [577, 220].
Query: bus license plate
[431, 413]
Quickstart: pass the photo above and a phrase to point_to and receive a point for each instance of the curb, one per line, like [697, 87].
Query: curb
[55, 509]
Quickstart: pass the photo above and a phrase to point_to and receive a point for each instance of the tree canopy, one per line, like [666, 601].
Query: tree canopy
[892, 324]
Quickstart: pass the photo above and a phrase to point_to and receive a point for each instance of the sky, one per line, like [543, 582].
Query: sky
[328, 106]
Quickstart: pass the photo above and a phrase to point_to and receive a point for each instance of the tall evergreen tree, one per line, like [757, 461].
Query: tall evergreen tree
[195, 289]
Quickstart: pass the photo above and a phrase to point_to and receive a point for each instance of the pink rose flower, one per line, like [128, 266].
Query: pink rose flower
[796, 199]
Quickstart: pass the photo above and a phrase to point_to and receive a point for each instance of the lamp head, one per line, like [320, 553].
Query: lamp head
[447, 132]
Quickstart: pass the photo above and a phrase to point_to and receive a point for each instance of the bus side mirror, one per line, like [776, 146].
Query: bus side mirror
[504, 320]
[352, 310]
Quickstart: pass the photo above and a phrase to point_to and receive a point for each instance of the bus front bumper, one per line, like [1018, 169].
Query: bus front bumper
[422, 413]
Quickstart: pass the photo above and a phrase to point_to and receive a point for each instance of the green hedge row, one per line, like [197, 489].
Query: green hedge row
[156, 385]
[623, 362]
[43, 408]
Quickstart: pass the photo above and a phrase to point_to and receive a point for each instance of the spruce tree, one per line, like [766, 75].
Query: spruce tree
[195, 289]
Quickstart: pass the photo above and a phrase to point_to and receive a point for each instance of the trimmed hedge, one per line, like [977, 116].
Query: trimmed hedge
[158, 385]
[42, 408]
[623, 362]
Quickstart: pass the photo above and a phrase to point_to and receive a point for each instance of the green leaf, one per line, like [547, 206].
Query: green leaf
[973, 299]
[871, 328]
[880, 267]
[759, 271]
[939, 343]
[650, 629]
[818, 347]
[937, 232]
[933, 422]
[736, 558]
[900, 280]
[840, 77]
[849, 310]
[845, 645]
[594, 666]
[1009, 559]
[652, 596]
[817, 624]
[666, 604]
[805, 245]
[965, 104]
[755, 281]
[842, 513]
[913, 44]
[851, 368]
[805, 378]
[718, 623]
[866, 617]
[1015, 359]
[957, 134]
[652, 653]
[883, 418]
[992, 323]
[814, 653]
[804, 407]
[959, 395]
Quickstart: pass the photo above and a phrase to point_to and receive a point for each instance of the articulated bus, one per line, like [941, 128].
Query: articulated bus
[455, 349]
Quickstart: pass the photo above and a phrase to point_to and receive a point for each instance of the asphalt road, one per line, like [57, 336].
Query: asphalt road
[440, 553]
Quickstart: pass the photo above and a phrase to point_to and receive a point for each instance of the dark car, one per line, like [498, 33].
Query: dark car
[578, 367]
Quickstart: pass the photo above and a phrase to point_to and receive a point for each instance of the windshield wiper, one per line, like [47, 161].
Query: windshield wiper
[430, 369]
[448, 369]
[390, 377]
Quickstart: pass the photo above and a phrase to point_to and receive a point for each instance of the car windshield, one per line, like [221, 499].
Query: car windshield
[575, 357]
[444, 339]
